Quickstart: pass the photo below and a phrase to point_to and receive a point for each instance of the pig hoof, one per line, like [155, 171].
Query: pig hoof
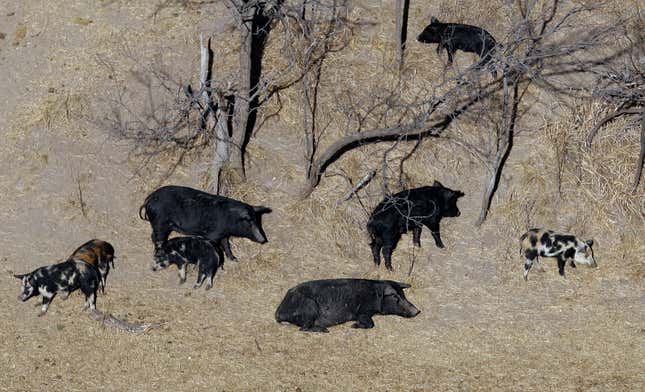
[41, 314]
[208, 287]
[182, 281]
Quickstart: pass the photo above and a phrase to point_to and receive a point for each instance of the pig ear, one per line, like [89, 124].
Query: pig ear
[261, 210]
[459, 194]
[589, 242]
[19, 276]
[437, 183]
[403, 285]
[434, 20]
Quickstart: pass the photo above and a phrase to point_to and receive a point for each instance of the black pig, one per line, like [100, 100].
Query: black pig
[410, 210]
[453, 36]
[196, 213]
[318, 304]
[191, 250]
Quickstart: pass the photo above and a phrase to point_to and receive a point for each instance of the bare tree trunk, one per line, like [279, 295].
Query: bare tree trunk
[503, 146]
[221, 145]
[245, 92]
[402, 7]
[220, 154]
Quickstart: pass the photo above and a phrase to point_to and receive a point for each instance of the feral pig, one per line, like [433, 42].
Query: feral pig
[191, 250]
[62, 278]
[453, 36]
[541, 242]
[318, 304]
[192, 212]
[410, 210]
[98, 253]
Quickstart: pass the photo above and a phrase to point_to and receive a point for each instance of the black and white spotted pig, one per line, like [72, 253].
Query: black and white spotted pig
[61, 278]
[541, 242]
[191, 250]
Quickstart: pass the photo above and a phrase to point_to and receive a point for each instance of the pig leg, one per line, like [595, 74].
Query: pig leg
[363, 321]
[159, 236]
[531, 255]
[206, 272]
[389, 244]
[227, 249]
[450, 51]
[90, 301]
[572, 263]
[387, 255]
[47, 299]
[182, 273]
[376, 246]
[89, 289]
[416, 236]
[561, 263]
[434, 229]
[64, 294]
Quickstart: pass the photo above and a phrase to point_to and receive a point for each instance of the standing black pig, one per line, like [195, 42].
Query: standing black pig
[196, 213]
[318, 304]
[453, 36]
[410, 210]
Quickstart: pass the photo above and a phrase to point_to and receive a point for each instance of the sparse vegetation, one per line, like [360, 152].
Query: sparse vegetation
[65, 180]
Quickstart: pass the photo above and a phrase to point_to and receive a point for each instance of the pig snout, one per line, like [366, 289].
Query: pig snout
[409, 310]
[258, 235]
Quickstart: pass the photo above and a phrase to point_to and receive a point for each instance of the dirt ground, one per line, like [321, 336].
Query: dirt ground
[481, 326]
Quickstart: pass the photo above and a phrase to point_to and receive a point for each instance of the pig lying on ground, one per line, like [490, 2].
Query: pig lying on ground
[318, 304]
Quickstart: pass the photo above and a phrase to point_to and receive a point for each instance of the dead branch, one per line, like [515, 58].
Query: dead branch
[610, 117]
[81, 202]
[361, 184]
[110, 321]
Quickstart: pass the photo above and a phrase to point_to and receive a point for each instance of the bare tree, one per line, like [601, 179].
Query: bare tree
[223, 112]
[549, 47]
[402, 9]
[621, 87]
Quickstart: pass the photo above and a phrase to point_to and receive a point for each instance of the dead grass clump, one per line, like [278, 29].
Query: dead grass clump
[59, 110]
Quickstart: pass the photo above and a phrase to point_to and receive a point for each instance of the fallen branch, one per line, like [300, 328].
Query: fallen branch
[364, 181]
[608, 118]
[110, 321]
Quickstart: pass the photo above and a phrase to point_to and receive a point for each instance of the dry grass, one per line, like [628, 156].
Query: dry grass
[481, 327]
